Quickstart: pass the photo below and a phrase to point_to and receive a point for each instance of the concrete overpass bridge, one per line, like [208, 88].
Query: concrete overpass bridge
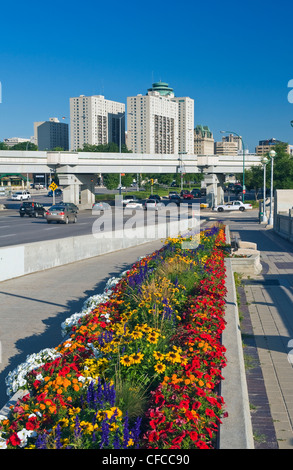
[76, 169]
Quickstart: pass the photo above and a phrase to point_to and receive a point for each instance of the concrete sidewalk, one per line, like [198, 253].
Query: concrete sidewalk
[269, 298]
[34, 306]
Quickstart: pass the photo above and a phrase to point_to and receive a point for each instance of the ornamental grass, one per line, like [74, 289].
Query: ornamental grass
[139, 367]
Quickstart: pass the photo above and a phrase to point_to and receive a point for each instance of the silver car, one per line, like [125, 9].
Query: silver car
[61, 214]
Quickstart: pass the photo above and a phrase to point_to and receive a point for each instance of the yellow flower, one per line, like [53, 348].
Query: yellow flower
[158, 355]
[160, 367]
[126, 361]
[136, 358]
[173, 357]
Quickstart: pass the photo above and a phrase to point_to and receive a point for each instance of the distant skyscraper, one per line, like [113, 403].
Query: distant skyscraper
[51, 134]
[95, 121]
[230, 145]
[159, 122]
[203, 141]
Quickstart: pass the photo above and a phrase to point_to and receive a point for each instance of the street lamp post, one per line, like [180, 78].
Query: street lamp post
[272, 155]
[181, 169]
[264, 162]
[243, 148]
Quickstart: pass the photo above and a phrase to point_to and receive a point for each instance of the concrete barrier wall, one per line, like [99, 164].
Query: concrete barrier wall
[19, 260]
[283, 225]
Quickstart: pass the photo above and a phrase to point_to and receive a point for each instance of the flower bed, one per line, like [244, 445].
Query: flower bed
[139, 367]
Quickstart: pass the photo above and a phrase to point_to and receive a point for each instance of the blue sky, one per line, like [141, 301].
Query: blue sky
[233, 58]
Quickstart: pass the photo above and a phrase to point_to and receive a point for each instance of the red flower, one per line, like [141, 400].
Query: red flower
[153, 436]
[179, 439]
[210, 412]
[201, 445]
[32, 424]
[193, 435]
[14, 440]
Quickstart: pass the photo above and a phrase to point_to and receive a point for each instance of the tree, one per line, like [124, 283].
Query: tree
[108, 148]
[111, 180]
[3, 146]
[283, 171]
[24, 146]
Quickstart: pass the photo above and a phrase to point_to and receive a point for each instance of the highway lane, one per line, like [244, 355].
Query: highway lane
[15, 230]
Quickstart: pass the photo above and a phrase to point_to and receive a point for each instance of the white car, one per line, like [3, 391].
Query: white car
[232, 206]
[134, 205]
[128, 199]
[21, 195]
[153, 204]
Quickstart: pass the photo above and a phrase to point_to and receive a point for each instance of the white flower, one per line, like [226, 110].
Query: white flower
[16, 379]
[23, 435]
[3, 443]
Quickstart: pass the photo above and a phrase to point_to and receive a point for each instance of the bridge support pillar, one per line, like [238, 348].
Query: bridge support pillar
[87, 191]
[215, 189]
[78, 189]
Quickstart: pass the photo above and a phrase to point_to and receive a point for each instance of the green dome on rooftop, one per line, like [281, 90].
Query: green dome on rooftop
[162, 87]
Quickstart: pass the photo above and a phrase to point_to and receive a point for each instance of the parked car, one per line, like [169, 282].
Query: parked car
[232, 206]
[70, 205]
[196, 192]
[153, 204]
[175, 198]
[155, 196]
[186, 194]
[20, 195]
[61, 214]
[173, 184]
[238, 188]
[100, 207]
[173, 193]
[128, 199]
[58, 192]
[32, 209]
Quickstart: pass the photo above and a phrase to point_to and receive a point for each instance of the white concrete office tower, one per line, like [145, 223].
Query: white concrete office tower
[95, 120]
[157, 122]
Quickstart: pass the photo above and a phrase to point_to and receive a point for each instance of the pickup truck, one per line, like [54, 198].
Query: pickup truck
[232, 206]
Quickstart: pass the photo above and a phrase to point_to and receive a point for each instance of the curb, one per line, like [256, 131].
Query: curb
[236, 430]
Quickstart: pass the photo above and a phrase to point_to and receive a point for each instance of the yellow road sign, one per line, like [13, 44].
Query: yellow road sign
[53, 186]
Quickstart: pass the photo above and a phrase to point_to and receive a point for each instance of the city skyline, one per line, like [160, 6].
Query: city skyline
[234, 62]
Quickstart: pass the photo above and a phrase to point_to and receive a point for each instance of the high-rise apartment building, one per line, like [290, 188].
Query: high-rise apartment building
[159, 122]
[51, 134]
[203, 141]
[95, 120]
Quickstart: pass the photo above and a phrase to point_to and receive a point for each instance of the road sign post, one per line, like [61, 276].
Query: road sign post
[53, 186]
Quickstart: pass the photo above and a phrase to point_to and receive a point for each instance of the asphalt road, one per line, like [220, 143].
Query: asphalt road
[15, 230]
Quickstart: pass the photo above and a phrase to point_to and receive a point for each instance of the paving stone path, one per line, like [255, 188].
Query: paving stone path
[267, 327]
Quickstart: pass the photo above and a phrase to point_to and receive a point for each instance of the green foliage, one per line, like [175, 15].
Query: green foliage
[104, 148]
[24, 146]
[283, 171]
